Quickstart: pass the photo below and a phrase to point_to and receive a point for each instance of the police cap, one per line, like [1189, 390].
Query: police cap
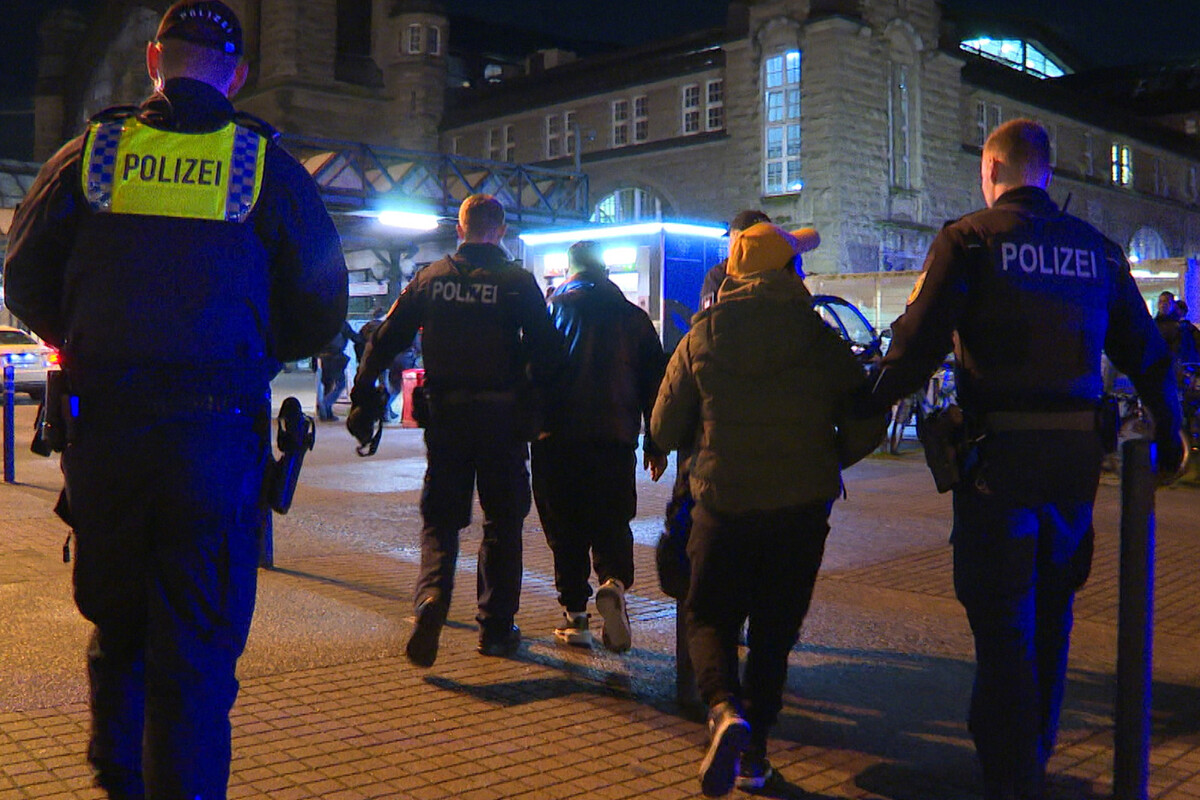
[208, 23]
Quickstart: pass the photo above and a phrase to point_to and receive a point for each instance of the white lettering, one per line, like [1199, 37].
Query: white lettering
[1086, 260]
[1065, 268]
[1029, 265]
[1008, 253]
[471, 293]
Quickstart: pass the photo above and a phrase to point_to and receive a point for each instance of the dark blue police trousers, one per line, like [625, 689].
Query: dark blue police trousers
[166, 517]
[1023, 542]
[475, 444]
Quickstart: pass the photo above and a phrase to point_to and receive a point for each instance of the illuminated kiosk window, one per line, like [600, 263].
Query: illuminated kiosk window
[628, 205]
[1016, 54]
[1147, 245]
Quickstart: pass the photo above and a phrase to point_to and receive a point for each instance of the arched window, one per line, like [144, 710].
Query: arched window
[1016, 54]
[629, 205]
[1146, 245]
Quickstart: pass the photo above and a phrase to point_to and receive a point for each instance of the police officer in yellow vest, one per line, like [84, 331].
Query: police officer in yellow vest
[177, 256]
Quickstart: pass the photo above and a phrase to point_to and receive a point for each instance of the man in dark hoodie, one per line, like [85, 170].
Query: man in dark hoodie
[754, 387]
[584, 463]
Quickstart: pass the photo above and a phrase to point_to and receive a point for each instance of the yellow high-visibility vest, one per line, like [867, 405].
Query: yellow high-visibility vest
[132, 168]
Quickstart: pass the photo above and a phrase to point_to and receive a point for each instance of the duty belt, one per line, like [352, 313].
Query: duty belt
[1001, 421]
[475, 396]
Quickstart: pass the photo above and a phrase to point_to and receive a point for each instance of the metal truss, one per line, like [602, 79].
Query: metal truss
[357, 178]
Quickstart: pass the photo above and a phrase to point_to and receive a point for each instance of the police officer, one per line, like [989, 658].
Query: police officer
[1033, 295]
[174, 251]
[483, 319]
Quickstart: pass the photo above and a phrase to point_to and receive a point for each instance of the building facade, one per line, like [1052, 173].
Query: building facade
[863, 118]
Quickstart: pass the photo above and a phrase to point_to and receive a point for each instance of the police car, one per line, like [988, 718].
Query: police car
[29, 358]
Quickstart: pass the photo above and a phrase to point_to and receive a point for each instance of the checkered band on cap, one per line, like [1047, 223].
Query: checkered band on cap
[243, 173]
[102, 166]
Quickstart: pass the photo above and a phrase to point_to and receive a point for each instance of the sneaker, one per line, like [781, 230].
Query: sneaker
[422, 645]
[729, 735]
[754, 771]
[610, 602]
[574, 630]
[499, 641]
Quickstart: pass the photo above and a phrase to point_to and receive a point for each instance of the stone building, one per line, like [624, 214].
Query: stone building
[861, 117]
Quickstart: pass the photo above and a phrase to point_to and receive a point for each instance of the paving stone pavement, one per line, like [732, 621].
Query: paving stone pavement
[329, 707]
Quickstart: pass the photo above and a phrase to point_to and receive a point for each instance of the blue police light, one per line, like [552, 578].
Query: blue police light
[409, 220]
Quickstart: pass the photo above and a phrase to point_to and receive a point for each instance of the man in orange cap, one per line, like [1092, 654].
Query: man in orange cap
[763, 375]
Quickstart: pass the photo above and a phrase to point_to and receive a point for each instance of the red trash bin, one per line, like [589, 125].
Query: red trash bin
[409, 379]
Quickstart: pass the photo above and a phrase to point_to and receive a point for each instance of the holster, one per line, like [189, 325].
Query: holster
[296, 436]
[420, 406]
[943, 434]
[56, 420]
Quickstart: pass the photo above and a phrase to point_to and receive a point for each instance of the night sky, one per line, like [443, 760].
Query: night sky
[1104, 32]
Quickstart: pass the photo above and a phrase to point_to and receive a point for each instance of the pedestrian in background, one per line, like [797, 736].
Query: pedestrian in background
[754, 387]
[331, 376]
[1033, 296]
[584, 463]
[484, 331]
[187, 295]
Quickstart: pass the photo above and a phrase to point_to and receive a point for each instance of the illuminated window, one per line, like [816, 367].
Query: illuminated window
[510, 144]
[569, 132]
[1016, 54]
[1147, 244]
[414, 39]
[781, 123]
[691, 109]
[494, 143]
[1121, 163]
[629, 205]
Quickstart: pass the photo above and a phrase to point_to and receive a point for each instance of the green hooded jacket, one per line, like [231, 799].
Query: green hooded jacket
[754, 388]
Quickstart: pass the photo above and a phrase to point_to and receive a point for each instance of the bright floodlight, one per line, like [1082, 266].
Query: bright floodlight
[409, 219]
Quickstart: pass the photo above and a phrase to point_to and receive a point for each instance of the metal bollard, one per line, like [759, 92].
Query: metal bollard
[10, 395]
[1135, 623]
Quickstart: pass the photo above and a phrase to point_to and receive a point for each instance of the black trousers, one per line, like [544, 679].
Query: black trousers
[586, 494]
[762, 566]
[166, 517]
[475, 444]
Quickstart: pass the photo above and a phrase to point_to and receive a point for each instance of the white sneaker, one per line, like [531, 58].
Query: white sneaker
[610, 602]
[574, 630]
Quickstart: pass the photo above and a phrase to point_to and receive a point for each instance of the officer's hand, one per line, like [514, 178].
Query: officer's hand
[361, 423]
[1172, 458]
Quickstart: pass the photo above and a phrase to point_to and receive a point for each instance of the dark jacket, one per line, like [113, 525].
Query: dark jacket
[615, 363]
[484, 322]
[171, 305]
[756, 386]
[1034, 295]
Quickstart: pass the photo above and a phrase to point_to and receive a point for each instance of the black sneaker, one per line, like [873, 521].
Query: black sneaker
[754, 771]
[422, 645]
[502, 642]
[729, 735]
